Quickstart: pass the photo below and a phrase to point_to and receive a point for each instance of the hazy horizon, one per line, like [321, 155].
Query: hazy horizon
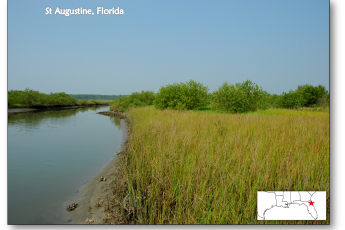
[276, 44]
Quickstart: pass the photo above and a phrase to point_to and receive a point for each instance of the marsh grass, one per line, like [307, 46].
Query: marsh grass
[206, 168]
[303, 111]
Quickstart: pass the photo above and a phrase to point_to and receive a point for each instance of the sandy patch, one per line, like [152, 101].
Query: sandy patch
[97, 200]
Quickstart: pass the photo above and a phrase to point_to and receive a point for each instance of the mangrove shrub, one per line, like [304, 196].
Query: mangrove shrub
[292, 99]
[312, 95]
[35, 98]
[303, 96]
[136, 99]
[239, 98]
[182, 96]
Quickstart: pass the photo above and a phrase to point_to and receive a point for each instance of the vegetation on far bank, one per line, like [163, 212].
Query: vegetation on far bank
[29, 97]
[96, 96]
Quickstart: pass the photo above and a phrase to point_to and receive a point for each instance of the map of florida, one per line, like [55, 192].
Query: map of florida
[285, 200]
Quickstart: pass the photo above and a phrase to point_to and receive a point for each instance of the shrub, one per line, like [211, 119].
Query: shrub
[327, 98]
[82, 102]
[291, 100]
[274, 101]
[324, 100]
[303, 96]
[312, 95]
[34, 98]
[182, 96]
[239, 98]
[134, 100]
[145, 97]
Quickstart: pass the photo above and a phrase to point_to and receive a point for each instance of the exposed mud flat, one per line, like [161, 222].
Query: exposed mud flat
[99, 201]
[118, 114]
[95, 196]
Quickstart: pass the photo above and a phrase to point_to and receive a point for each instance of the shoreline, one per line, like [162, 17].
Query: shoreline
[28, 109]
[54, 106]
[97, 199]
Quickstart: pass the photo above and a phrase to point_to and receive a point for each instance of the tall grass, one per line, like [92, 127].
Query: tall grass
[203, 168]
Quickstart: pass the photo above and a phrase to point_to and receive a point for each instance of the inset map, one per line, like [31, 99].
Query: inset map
[286, 205]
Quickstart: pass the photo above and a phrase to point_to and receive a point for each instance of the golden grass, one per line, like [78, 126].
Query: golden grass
[206, 168]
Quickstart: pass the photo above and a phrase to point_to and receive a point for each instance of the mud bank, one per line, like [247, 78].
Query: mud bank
[100, 201]
[118, 114]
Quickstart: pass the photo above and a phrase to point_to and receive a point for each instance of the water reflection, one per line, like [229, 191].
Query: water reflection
[116, 121]
[35, 118]
[51, 154]
[31, 122]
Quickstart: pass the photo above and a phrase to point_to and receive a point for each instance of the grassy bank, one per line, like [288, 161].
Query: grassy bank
[206, 168]
[31, 98]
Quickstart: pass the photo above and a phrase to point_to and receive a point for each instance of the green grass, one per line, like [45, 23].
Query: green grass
[301, 112]
[206, 168]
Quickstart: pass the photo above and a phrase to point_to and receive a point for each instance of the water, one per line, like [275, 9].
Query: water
[51, 154]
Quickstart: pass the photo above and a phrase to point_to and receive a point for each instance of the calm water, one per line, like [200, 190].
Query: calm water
[51, 155]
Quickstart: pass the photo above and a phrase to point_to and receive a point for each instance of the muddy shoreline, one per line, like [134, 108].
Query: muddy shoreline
[99, 202]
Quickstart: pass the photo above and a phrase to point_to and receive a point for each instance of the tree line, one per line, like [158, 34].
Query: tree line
[231, 98]
[29, 97]
[96, 96]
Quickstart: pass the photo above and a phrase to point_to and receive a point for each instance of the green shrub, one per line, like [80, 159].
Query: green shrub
[83, 102]
[312, 95]
[136, 99]
[275, 101]
[291, 100]
[29, 97]
[326, 98]
[264, 102]
[143, 98]
[239, 98]
[303, 96]
[182, 96]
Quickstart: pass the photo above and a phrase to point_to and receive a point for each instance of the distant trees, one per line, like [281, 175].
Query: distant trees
[34, 98]
[96, 96]
[29, 97]
[238, 98]
[303, 96]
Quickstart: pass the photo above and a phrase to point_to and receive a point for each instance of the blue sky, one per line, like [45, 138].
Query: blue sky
[278, 44]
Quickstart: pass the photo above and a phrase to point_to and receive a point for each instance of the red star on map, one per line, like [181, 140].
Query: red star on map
[311, 203]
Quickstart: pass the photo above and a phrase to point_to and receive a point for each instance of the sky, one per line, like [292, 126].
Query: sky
[277, 44]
